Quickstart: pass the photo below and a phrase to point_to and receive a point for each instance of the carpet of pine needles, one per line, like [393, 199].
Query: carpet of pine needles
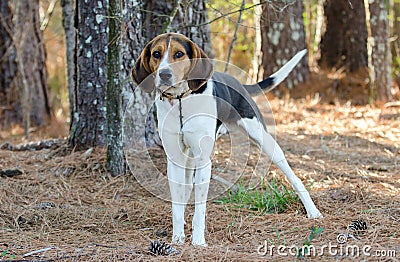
[66, 207]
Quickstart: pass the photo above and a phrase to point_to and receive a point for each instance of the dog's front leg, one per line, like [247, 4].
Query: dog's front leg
[180, 192]
[202, 146]
[201, 185]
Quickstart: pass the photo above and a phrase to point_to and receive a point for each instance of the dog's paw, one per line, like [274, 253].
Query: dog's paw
[178, 239]
[315, 214]
[198, 239]
[199, 243]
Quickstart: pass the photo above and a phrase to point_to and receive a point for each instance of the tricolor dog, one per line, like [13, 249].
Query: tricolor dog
[193, 102]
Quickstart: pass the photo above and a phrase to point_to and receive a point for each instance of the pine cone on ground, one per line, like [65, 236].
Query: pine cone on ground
[161, 248]
[357, 228]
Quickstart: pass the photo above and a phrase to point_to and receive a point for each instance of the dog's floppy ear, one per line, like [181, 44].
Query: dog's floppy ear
[201, 69]
[141, 70]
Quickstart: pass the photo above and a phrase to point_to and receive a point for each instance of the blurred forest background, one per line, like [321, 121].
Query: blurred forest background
[353, 53]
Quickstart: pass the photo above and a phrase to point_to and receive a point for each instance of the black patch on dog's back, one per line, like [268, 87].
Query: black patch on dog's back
[233, 101]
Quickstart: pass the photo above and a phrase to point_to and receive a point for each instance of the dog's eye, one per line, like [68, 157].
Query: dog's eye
[156, 55]
[179, 54]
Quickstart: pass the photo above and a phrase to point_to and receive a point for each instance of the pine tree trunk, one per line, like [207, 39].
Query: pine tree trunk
[344, 43]
[115, 156]
[395, 45]
[133, 41]
[380, 56]
[8, 65]
[70, 42]
[283, 35]
[28, 100]
[88, 115]
[257, 71]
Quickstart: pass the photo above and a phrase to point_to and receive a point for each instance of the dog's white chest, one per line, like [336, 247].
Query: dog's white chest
[197, 134]
[198, 114]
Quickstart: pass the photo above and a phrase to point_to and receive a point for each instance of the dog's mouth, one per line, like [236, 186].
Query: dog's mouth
[165, 84]
[171, 90]
[166, 91]
[164, 87]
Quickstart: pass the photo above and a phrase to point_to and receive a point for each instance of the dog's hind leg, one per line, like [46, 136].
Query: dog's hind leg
[270, 147]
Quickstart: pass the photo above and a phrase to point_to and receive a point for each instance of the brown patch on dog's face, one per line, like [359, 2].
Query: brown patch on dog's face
[172, 53]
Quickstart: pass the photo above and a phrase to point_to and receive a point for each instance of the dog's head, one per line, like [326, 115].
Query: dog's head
[175, 60]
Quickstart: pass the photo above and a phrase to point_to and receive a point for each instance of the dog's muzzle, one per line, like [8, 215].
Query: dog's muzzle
[165, 76]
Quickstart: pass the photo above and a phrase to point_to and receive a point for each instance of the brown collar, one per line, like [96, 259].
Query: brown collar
[165, 95]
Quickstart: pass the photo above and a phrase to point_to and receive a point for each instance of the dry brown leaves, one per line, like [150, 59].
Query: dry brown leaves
[66, 207]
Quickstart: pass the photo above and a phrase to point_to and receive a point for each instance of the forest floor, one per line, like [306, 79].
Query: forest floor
[64, 206]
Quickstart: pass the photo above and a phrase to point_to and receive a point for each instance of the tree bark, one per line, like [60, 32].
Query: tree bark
[68, 19]
[88, 115]
[283, 35]
[133, 41]
[8, 65]
[188, 17]
[379, 51]
[344, 43]
[27, 98]
[115, 158]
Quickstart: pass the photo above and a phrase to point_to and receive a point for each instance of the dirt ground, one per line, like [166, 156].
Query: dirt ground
[65, 207]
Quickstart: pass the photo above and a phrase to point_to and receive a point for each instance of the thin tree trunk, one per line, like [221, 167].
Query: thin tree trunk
[115, 158]
[257, 69]
[379, 51]
[395, 45]
[70, 42]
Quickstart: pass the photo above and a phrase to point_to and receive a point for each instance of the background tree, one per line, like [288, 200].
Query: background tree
[188, 17]
[283, 35]
[8, 65]
[379, 51]
[28, 100]
[395, 35]
[88, 113]
[68, 21]
[344, 43]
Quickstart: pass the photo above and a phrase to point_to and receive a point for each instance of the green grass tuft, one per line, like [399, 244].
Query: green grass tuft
[273, 197]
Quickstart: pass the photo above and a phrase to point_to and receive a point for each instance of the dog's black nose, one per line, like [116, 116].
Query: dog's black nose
[165, 74]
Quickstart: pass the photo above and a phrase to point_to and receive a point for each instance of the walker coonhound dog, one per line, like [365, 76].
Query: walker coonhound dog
[192, 102]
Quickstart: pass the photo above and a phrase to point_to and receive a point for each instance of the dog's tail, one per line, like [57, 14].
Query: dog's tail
[275, 79]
